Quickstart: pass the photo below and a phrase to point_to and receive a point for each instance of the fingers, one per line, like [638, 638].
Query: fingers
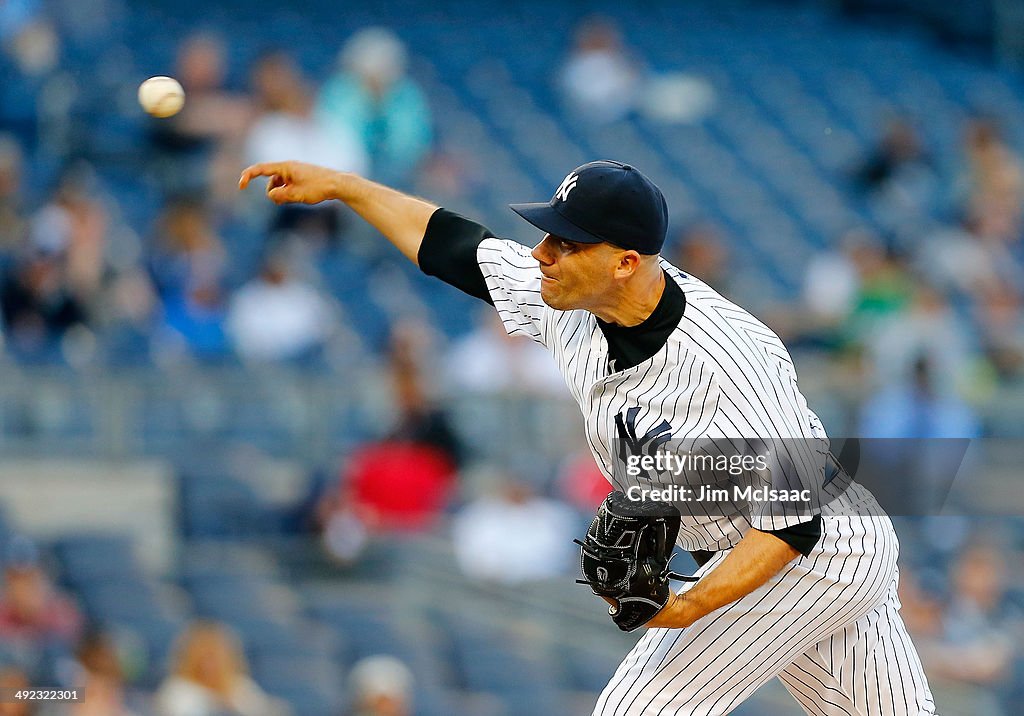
[276, 180]
[281, 187]
[260, 170]
[283, 194]
[278, 194]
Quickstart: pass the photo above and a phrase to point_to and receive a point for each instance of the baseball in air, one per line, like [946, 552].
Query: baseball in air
[161, 96]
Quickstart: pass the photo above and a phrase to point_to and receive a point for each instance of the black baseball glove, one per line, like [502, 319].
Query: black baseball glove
[626, 557]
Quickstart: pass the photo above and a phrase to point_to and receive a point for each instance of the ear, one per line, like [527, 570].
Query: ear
[627, 264]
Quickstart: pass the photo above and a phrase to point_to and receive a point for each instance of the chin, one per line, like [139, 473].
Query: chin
[551, 299]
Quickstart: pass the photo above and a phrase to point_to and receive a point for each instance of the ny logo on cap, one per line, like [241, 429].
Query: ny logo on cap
[567, 185]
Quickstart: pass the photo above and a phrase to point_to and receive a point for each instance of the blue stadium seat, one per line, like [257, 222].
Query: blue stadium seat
[223, 507]
[286, 676]
[96, 555]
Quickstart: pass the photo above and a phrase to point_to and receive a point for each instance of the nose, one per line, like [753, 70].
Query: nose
[542, 251]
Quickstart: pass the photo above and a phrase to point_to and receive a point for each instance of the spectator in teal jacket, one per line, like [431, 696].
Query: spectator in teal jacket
[372, 97]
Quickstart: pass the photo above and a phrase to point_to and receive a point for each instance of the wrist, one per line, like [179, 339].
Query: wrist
[340, 187]
[678, 613]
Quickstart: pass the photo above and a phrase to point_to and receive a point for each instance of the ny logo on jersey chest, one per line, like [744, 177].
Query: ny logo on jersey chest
[632, 444]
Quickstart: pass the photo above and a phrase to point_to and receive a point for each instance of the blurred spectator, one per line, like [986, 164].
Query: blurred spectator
[926, 459]
[210, 677]
[101, 679]
[132, 312]
[200, 147]
[32, 611]
[450, 174]
[899, 151]
[925, 327]
[832, 281]
[916, 409]
[381, 686]
[404, 481]
[993, 183]
[38, 307]
[678, 98]
[898, 175]
[849, 294]
[599, 79]
[15, 16]
[28, 37]
[420, 419]
[401, 482]
[278, 316]
[974, 651]
[373, 97]
[55, 281]
[970, 260]
[543, 530]
[700, 250]
[13, 226]
[581, 482]
[921, 610]
[1000, 322]
[287, 127]
[851, 290]
[74, 224]
[11, 677]
[885, 289]
[488, 360]
[187, 265]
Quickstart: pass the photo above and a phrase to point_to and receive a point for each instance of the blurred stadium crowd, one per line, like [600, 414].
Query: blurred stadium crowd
[858, 187]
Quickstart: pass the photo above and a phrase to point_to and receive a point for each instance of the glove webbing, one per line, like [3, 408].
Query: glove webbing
[666, 574]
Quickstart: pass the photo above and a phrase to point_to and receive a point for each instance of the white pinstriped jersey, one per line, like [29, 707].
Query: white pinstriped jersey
[721, 374]
[828, 624]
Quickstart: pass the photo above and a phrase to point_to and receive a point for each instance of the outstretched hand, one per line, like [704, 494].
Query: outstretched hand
[401, 218]
[294, 182]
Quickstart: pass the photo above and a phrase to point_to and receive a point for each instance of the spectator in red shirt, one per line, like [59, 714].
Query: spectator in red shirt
[401, 482]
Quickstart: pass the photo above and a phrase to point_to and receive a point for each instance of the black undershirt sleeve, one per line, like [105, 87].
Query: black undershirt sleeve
[448, 252]
[801, 537]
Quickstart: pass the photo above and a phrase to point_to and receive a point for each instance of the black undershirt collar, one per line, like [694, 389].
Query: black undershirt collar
[629, 346]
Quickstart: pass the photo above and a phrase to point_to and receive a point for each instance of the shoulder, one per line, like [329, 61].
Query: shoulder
[712, 313]
[507, 255]
[712, 326]
[696, 291]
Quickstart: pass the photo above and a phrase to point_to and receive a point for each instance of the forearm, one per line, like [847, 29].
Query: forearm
[757, 558]
[401, 218]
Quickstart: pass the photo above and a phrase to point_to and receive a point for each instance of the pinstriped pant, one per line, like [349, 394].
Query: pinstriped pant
[828, 626]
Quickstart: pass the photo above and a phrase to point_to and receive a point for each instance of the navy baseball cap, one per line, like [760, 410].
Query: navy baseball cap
[604, 201]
